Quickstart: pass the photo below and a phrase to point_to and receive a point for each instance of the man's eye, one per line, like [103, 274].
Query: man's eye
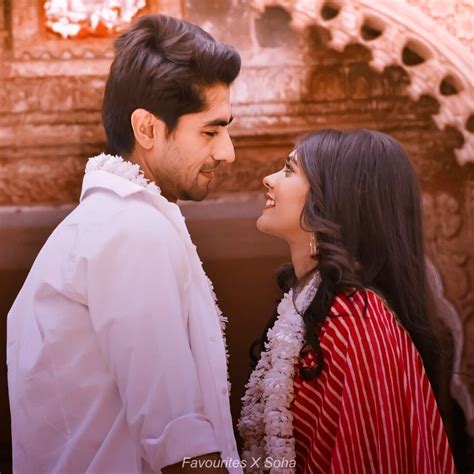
[211, 134]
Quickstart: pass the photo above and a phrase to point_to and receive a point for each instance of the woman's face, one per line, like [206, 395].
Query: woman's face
[287, 190]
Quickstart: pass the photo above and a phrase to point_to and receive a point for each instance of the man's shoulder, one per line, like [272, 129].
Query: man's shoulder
[111, 211]
[105, 217]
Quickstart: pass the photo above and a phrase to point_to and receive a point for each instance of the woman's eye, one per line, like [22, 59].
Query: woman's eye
[211, 134]
[287, 169]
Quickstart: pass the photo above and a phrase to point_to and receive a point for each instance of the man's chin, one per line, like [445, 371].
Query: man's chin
[194, 195]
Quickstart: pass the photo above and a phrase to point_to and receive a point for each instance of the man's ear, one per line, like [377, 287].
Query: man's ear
[147, 128]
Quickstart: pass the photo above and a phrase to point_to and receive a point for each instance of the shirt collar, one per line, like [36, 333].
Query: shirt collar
[104, 179]
[116, 174]
[124, 179]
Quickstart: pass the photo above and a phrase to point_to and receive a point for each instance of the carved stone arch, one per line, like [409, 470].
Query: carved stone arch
[399, 34]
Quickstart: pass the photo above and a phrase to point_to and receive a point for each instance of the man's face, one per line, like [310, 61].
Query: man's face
[185, 163]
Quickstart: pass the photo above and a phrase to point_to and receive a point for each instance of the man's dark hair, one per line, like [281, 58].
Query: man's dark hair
[162, 64]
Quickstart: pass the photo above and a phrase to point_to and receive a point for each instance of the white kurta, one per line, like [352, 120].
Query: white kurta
[116, 360]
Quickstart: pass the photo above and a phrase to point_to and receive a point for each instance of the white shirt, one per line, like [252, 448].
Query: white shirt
[116, 360]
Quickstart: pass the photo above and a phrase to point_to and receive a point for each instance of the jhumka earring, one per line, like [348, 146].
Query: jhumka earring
[312, 246]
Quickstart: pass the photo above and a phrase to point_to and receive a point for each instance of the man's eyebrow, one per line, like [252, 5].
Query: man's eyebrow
[219, 122]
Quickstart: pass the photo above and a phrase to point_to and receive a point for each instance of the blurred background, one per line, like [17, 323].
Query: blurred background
[401, 66]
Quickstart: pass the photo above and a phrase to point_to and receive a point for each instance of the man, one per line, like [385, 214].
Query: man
[116, 359]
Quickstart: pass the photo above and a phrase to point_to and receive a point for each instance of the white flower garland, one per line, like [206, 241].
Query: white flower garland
[132, 172]
[125, 169]
[266, 422]
[223, 323]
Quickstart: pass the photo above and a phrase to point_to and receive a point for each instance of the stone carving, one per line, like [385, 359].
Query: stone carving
[32, 41]
[444, 233]
[444, 222]
[91, 18]
[461, 385]
[455, 16]
[401, 26]
[57, 94]
[45, 130]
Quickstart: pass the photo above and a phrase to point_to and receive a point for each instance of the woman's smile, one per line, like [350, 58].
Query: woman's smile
[270, 202]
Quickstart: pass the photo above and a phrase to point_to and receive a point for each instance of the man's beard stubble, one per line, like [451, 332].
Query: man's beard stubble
[194, 194]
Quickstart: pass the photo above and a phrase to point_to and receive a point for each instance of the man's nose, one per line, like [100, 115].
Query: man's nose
[224, 149]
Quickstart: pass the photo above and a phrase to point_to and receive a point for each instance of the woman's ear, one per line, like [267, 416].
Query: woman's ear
[147, 129]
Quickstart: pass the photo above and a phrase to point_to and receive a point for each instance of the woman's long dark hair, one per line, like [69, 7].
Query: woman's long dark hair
[364, 206]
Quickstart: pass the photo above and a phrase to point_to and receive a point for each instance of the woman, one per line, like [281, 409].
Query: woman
[346, 381]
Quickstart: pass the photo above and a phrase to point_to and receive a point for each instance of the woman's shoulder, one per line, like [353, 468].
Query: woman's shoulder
[361, 329]
[359, 303]
[362, 315]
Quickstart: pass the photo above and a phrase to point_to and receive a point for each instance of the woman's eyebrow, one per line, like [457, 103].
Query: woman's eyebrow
[291, 158]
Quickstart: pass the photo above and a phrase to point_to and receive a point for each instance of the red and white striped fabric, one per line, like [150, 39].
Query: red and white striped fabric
[372, 409]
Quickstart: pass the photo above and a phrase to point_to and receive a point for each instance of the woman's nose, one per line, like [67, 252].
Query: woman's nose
[266, 182]
[269, 180]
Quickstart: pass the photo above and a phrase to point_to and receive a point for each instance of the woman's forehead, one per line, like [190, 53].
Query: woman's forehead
[293, 156]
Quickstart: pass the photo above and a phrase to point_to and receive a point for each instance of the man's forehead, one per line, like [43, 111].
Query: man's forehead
[218, 104]
[216, 92]
[218, 111]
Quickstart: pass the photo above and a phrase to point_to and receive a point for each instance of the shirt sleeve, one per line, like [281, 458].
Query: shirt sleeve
[137, 282]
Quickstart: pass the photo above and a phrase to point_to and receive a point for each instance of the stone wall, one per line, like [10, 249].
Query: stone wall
[454, 16]
[300, 73]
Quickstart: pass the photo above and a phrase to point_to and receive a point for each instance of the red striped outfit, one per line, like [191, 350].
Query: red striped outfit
[371, 410]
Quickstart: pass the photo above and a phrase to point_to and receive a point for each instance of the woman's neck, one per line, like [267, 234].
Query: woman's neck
[301, 258]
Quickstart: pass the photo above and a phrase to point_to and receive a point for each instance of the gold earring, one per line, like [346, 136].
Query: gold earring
[312, 246]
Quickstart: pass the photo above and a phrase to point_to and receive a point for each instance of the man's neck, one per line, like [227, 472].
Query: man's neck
[139, 158]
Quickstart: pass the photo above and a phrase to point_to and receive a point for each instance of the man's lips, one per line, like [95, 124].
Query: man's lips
[209, 173]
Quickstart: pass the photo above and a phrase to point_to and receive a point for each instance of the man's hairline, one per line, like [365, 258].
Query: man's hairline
[222, 122]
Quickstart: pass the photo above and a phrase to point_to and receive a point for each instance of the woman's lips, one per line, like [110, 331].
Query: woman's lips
[270, 202]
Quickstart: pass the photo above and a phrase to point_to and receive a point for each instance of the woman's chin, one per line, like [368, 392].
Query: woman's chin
[263, 225]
